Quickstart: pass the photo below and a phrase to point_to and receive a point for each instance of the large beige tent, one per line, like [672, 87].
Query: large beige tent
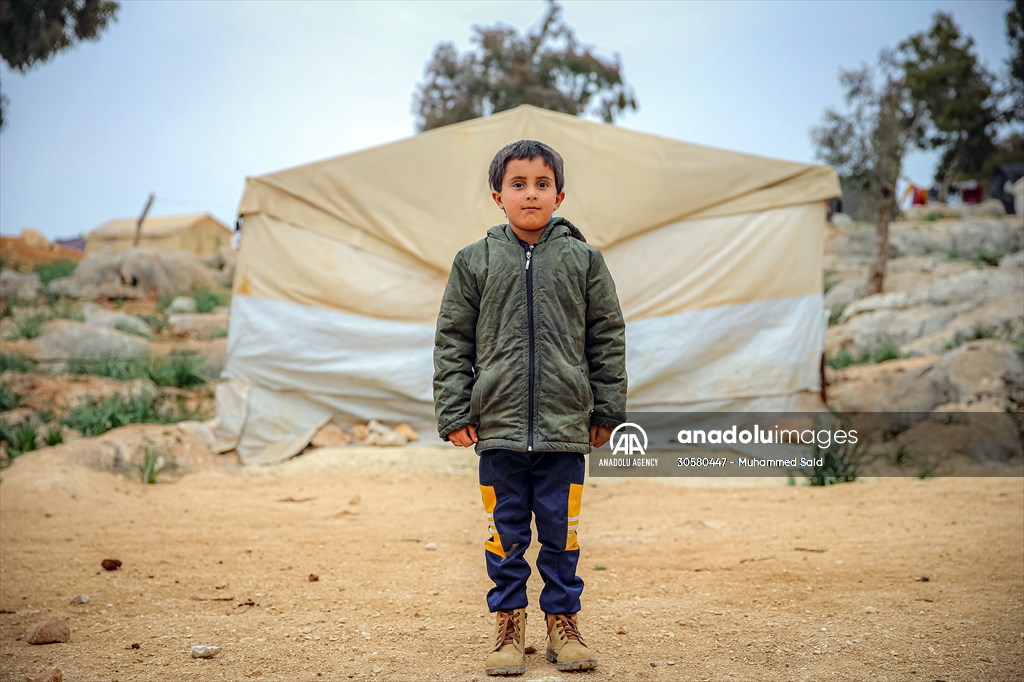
[198, 233]
[717, 257]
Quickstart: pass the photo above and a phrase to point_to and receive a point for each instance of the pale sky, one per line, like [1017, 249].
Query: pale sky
[187, 98]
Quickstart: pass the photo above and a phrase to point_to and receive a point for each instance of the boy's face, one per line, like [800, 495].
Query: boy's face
[528, 197]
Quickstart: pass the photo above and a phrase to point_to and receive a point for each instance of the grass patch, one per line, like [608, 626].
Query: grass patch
[51, 271]
[883, 353]
[152, 465]
[117, 411]
[15, 363]
[20, 438]
[1003, 332]
[835, 314]
[830, 278]
[54, 436]
[932, 217]
[66, 310]
[981, 259]
[840, 462]
[209, 299]
[8, 401]
[206, 299]
[178, 370]
[32, 326]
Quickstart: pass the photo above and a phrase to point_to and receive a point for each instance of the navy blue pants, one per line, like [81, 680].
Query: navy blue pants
[515, 486]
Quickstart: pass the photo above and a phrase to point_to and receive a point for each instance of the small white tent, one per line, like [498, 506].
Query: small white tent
[717, 257]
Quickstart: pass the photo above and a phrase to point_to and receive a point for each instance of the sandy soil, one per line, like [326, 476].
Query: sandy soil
[884, 579]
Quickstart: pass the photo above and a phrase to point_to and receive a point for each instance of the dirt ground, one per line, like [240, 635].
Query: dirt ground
[882, 579]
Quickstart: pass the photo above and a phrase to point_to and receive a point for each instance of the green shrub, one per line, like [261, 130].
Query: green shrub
[829, 280]
[840, 463]
[54, 436]
[164, 302]
[844, 358]
[31, 326]
[8, 401]
[835, 314]
[51, 271]
[116, 411]
[208, 299]
[20, 438]
[16, 363]
[66, 310]
[151, 466]
[179, 369]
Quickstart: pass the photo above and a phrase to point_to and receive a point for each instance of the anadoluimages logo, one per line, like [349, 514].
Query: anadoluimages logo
[628, 439]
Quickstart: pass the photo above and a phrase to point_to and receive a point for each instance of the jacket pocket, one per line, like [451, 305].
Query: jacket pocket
[476, 397]
[585, 392]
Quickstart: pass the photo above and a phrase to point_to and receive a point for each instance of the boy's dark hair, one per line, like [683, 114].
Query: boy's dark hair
[525, 149]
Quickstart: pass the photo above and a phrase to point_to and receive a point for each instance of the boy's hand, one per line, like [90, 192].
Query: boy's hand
[599, 435]
[465, 437]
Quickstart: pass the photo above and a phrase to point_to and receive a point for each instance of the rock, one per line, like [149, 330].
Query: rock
[63, 339]
[843, 293]
[53, 631]
[18, 286]
[841, 220]
[95, 315]
[199, 325]
[1012, 260]
[963, 237]
[430, 546]
[904, 316]
[55, 675]
[546, 678]
[79, 599]
[870, 609]
[111, 564]
[330, 435]
[376, 433]
[407, 432]
[999, 318]
[201, 651]
[993, 438]
[182, 304]
[313, 577]
[978, 370]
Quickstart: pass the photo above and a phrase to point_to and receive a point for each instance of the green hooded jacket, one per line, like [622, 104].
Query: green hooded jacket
[530, 344]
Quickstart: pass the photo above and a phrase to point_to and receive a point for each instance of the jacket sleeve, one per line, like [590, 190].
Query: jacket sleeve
[605, 346]
[455, 348]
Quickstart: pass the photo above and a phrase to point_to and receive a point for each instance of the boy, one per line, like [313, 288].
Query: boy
[529, 365]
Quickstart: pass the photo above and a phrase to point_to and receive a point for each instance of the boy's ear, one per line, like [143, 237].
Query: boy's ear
[497, 199]
[559, 199]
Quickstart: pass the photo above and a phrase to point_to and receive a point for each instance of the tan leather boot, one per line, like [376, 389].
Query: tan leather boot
[507, 657]
[565, 645]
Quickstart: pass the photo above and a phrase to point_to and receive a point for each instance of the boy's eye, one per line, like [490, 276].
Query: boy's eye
[518, 185]
[542, 184]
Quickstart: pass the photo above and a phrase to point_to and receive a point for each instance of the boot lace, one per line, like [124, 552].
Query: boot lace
[508, 631]
[567, 625]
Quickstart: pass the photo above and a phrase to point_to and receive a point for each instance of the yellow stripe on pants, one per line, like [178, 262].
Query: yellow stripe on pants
[575, 502]
[490, 499]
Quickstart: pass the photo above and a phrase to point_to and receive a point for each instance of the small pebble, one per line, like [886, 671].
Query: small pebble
[870, 609]
[111, 564]
[430, 546]
[313, 577]
[201, 651]
[79, 599]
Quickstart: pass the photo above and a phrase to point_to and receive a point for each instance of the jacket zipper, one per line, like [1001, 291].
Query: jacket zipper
[529, 317]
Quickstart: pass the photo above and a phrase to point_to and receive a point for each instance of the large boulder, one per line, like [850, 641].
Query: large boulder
[62, 340]
[963, 238]
[142, 271]
[112, 319]
[902, 317]
[978, 371]
[19, 286]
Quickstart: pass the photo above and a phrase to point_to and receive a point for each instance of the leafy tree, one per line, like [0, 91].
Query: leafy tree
[547, 67]
[867, 143]
[1015, 33]
[32, 31]
[942, 72]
